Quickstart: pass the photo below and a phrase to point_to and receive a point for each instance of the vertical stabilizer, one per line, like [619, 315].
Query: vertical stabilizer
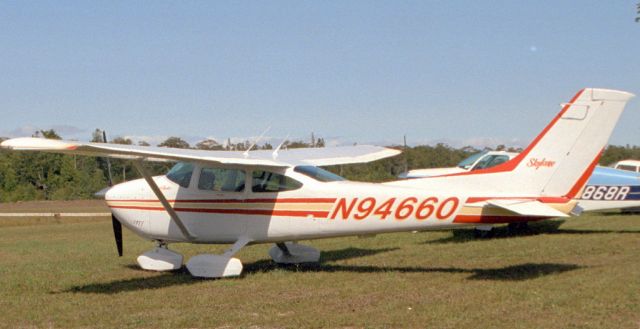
[560, 160]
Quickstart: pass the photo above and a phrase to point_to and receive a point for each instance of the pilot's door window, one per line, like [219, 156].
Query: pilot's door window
[220, 190]
[221, 180]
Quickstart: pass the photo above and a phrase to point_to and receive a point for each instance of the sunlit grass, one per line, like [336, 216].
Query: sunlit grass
[584, 272]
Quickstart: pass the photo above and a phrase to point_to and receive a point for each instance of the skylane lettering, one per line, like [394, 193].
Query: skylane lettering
[398, 209]
[535, 163]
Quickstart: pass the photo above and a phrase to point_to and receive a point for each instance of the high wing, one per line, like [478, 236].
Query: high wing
[282, 158]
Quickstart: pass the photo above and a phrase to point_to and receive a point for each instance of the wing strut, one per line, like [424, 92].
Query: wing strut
[167, 206]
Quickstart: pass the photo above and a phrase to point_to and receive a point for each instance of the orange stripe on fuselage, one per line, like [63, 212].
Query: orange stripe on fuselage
[263, 212]
[283, 200]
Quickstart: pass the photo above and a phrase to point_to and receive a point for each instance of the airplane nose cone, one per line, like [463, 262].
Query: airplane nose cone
[120, 191]
[134, 189]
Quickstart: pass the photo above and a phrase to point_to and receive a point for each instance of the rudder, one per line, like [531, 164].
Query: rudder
[560, 160]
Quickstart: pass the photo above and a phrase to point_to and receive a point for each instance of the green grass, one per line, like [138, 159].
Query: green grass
[584, 272]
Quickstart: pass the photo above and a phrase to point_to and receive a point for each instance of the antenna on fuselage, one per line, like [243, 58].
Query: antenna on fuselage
[274, 155]
[246, 153]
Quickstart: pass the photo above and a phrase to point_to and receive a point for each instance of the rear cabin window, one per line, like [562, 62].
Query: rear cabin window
[181, 174]
[318, 173]
[221, 180]
[627, 168]
[266, 181]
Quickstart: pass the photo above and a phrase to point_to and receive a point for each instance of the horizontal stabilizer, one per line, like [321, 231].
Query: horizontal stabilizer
[527, 208]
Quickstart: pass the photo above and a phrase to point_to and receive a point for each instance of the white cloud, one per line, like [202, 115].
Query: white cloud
[475, 142]
[66, 131]
[151, 139]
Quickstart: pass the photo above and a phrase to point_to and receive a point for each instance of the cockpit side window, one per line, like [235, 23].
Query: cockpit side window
[221, 180]
[627, 168]
[266, 181]
[181, 174]
[468, 162]
[491, 161]
[499, 160]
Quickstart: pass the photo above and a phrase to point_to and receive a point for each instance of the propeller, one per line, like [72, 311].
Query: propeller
[117, 226]
[117, 233]
[104, 139]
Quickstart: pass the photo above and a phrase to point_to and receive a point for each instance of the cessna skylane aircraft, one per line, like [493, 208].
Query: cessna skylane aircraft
[282, 196]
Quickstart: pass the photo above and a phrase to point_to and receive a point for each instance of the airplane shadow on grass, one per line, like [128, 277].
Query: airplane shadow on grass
[182, 277]
[509, 273]
[534, 228]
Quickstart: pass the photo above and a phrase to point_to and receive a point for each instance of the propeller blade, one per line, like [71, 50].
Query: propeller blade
[104, 139]
[117, 233]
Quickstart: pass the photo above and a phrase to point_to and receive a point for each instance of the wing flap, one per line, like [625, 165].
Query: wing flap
[527, 208]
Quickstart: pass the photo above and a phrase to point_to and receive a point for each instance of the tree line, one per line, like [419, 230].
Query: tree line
[45, 176]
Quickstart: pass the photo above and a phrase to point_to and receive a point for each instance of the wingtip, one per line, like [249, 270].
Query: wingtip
[32, 143]
[393, 152]
[4, 144]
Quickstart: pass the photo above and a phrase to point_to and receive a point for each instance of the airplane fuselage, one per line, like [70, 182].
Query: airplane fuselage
[315, 210]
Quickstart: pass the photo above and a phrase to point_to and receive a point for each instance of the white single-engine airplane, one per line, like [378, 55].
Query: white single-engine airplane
[282, 196]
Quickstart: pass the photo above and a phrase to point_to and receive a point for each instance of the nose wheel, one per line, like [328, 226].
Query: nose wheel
[160, 259]
[218, 266]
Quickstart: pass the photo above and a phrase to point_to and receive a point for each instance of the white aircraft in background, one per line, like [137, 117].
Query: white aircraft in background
[282, 196]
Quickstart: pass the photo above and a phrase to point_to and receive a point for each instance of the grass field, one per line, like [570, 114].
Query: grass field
[583, 272]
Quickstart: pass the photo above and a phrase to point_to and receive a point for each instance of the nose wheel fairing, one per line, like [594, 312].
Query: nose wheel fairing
[160, 259]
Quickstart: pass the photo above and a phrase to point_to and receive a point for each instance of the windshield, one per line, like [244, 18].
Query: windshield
[318, 173]
[468, 162]
[181, 173]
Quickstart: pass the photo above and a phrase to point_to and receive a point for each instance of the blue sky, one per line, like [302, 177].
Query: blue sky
[464, 72]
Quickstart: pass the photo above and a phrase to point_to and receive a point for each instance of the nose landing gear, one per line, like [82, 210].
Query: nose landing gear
[160, 259]
[218, 266]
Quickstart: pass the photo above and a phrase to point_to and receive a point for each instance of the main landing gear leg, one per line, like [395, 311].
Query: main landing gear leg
[293, 253]
[483, 231]
[518, 228]
[160, 259]
[218, 266]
